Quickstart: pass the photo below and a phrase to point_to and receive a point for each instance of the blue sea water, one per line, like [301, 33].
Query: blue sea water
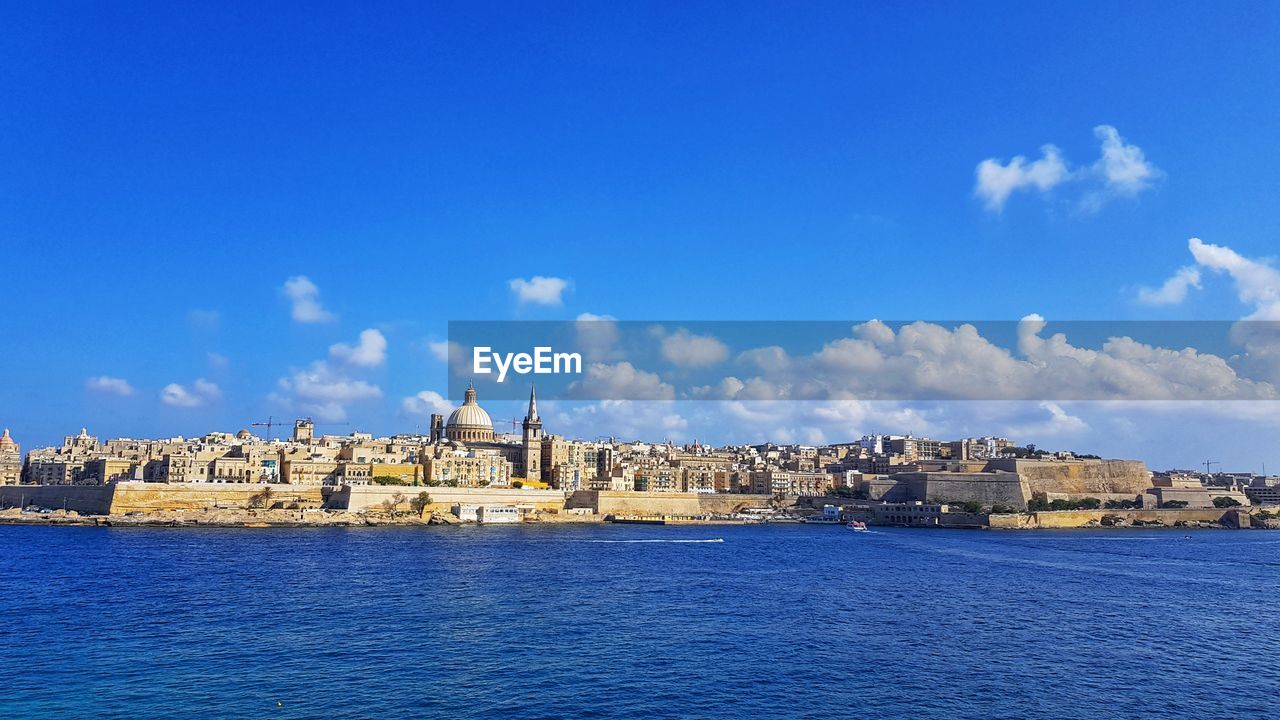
[582, 621]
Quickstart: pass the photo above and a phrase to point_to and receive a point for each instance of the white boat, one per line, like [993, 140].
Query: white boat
[857, 526]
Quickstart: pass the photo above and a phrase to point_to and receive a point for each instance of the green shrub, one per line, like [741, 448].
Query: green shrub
[1225, 502]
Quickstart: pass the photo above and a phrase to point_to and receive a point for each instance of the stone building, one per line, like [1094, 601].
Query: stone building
[10, 460]
[469, 423]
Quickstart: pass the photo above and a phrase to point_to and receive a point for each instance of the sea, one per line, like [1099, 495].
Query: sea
[630, 621]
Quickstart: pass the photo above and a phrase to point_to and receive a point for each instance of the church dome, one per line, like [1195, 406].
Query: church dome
[7, 442]
[470, 422]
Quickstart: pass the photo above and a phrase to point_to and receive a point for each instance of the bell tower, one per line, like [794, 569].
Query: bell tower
[532, 450]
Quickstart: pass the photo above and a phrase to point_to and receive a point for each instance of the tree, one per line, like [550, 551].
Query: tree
[420, 503]
[1039, 501]
[1088, 504]
[1225, 502]
[389, 480]
[261, 499]
[1175, 503]
[1001, 509]
[973, 507]
[396, 500]
[517, 484]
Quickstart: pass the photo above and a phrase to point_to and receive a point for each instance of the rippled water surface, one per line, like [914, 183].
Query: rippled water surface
[550, 622]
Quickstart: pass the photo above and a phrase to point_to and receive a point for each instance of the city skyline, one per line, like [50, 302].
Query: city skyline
[185, 264]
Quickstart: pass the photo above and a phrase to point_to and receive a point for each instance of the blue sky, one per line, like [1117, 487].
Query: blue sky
[164, 170]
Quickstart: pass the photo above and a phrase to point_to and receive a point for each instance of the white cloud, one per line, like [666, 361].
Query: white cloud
[650, 421]
[1123, 166]
[597, 336]
[996, 181]
[539, 290]
[1257, 283]
[426, 402]
[370, 351]
[201, 393]
[323, 391]
[439, 349]
[1121, 170]
[929, 361]
[305, 297]
[320, 382]
[217, 360]
[109, 385]
[620, 380]
[684, 349]
[1174, 290]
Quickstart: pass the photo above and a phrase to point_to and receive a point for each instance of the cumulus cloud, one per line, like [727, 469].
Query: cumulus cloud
[439, 349]
[1122, 166]
[1174, 290]
[305, 298]
[684, 349]
[927, 361]
[997, 181]
[425, 403]
[109, 385]
[539, 290]
[1121, 170]
[625, 419]
[200, 393]
[620, 380]
[370, 351]
[597, 335]
[323, 391]
[1257, 283]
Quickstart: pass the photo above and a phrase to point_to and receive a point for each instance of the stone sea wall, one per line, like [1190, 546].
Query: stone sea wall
[1081, 518]
[606, 502]
[362, 497]
[84, 499]
[125, 497]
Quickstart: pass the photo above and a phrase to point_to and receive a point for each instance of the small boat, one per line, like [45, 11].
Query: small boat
[857, 526]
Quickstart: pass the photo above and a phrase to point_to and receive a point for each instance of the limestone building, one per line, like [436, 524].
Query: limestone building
[10, 460]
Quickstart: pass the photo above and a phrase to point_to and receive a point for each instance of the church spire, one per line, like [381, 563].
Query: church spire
[532, 415]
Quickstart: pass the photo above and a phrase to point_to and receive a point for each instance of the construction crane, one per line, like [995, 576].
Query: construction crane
[271, 422]
[1207, 463]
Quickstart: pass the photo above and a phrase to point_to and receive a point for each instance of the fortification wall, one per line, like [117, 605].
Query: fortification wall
[150, 497]
[120, 498]
[607, 502]
[1078, 477]
[84, 499]
[986, 488]
[362, 497]
[1080, 518]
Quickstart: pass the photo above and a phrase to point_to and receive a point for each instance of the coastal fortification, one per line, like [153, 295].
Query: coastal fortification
[605, 502]
[988, 488]
[1078, 476]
